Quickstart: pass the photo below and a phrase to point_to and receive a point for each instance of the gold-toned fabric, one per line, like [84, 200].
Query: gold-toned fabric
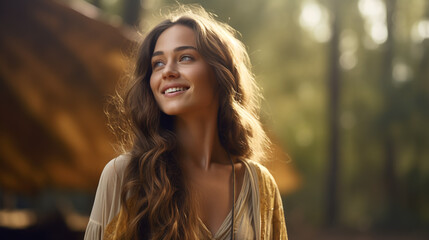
[273, 225]
[267, 209]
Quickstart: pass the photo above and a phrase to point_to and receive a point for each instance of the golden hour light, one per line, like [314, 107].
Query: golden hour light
[222, 119]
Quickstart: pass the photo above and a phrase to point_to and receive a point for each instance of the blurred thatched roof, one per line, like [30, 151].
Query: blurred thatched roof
[56, 68]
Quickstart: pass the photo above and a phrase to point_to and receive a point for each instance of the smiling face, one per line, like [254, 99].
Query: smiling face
[182, 81]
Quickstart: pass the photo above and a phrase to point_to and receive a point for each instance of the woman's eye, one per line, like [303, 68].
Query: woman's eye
[186, 58]
[157, 64]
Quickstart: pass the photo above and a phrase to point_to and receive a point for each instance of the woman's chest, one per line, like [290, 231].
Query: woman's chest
[213, 198]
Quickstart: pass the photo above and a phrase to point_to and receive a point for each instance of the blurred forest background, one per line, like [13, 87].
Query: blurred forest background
[346, 86]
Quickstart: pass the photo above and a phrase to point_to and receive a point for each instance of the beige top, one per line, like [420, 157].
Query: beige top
[107, 202]
[251, 223]
[244, 218]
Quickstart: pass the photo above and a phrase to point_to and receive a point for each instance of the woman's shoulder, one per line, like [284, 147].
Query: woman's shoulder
[107, 198]
[264, 175]
[115, 169]
[261, 169]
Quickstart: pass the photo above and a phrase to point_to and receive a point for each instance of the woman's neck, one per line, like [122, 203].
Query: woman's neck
[198, 141]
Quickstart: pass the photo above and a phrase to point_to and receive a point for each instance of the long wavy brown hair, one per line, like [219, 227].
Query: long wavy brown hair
[161, 206]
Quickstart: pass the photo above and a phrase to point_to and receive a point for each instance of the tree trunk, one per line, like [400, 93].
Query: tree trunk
[391, 187]
[422, 87]
[334, 93]
[131, 12]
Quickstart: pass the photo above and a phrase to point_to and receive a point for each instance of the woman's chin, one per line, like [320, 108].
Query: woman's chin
[173, 111]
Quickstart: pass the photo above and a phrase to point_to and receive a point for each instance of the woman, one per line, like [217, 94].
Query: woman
[192, 171]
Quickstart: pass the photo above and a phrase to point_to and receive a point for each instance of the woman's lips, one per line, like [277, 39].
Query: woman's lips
[174, 91]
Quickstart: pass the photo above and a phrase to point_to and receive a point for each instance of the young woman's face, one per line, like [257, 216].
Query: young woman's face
[181, 81]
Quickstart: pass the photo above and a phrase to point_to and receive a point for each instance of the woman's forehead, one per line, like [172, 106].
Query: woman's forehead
[175, 36]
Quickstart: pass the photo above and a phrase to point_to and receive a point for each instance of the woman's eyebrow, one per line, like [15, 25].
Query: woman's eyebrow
[178, 49]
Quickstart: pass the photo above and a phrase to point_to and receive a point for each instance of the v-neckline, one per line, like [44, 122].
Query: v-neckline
[228, 216]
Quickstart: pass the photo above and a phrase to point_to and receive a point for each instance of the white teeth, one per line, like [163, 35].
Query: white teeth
[170, 90]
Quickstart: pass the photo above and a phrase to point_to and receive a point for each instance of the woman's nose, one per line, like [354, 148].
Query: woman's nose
[170, 71]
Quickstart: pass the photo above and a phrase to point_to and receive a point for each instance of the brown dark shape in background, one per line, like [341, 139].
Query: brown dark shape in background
[57, 67]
